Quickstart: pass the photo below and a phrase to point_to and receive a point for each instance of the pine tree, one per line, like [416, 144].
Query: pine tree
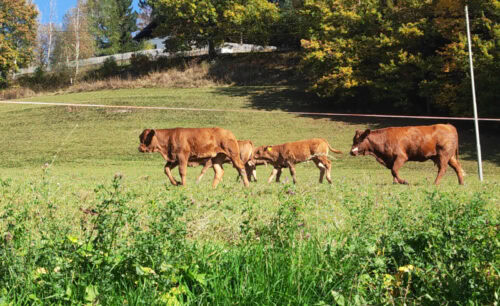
[127, 24]
[112, 23]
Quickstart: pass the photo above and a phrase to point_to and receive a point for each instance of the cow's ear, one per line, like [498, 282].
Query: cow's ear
[365, 133]
[149, 136]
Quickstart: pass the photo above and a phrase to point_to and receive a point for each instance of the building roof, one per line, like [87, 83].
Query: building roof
[147, 32]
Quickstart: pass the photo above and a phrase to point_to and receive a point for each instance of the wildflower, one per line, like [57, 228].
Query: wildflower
[41, 271]
[406, 269]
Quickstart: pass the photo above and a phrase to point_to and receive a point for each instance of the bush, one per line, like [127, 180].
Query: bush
[16, 93]
[109, 68]
[445, 253]
[140, 63]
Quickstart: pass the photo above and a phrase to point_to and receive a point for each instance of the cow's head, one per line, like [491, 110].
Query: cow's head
[264, 153]
[148, 141]
[360, 142]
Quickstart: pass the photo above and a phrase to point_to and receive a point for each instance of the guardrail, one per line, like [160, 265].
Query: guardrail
[226, 48]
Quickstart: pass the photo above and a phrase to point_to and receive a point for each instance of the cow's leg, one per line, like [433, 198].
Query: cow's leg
[238, 164]
[324, 166]
[278, 175]
[219, 172]
[458, 169]
[273, 174]
[168, 167]
[328, 166]
[398, 163]
[292, 172]
[249, 171]
[207, 165]
[442, 166]
[183, 162]
[254, 172]
[321, 168]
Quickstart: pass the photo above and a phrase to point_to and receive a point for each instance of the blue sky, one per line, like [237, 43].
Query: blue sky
[62, 6]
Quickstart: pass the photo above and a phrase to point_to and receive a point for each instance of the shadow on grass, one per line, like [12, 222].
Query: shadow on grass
[295, 99]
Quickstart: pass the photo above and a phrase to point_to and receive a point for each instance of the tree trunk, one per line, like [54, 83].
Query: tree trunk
[211, 49]
[51, 30]
[77, 36]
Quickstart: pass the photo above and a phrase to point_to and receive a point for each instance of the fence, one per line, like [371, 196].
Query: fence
[226, 48]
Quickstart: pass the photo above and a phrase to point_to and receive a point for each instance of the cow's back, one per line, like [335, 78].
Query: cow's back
[421, 142]
[198, 141]
[302, 150]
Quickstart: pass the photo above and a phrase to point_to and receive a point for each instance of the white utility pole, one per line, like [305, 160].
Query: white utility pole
[476, 124]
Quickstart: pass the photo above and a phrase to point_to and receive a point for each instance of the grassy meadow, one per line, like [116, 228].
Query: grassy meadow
[86, 218]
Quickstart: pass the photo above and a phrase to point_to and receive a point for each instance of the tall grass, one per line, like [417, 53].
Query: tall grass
[444, 252]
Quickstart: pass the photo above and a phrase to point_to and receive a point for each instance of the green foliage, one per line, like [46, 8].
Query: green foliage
[108, 68]
[112, 23]
[42, 80]
[211, 23]
[444, 250]
[404, 55]
[140, 63]
[18, 30]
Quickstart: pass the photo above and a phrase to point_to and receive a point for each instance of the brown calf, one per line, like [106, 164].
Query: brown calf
[393, 146]
[246, 155]
[183, 146]
[288, 154]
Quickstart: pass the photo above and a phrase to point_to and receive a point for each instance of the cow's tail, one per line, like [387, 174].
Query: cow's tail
[334, 150]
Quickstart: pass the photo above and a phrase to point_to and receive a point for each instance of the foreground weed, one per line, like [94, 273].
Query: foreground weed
[439, 248]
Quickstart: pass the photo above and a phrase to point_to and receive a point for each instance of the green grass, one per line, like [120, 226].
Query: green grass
[240, 239]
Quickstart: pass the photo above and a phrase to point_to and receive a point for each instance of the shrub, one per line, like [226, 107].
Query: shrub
[16, 93]
[140, 63]
[108, 68]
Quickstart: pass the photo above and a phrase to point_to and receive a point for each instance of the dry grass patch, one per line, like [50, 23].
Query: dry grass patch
[194, 75]
[16, 93]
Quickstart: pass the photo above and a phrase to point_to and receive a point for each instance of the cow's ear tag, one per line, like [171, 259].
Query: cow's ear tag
[269, 149]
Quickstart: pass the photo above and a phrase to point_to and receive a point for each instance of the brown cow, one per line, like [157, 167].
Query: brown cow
[393, 146]
[183, 146]
[246, 155]
[288, 154]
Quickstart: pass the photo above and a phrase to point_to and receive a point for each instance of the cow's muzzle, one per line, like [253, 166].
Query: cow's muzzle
[354, 151]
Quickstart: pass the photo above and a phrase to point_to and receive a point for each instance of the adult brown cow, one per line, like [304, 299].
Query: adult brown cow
[194, 146]
[288, 154]
[246, 155]
[393, 146]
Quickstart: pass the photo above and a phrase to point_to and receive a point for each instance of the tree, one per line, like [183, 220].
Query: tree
[210, 23]
[18, 32]
[50, 30]
[74, 42]
[451, 88]
[400, 55]
[112, 23]
[145, 16]
[44, 39]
